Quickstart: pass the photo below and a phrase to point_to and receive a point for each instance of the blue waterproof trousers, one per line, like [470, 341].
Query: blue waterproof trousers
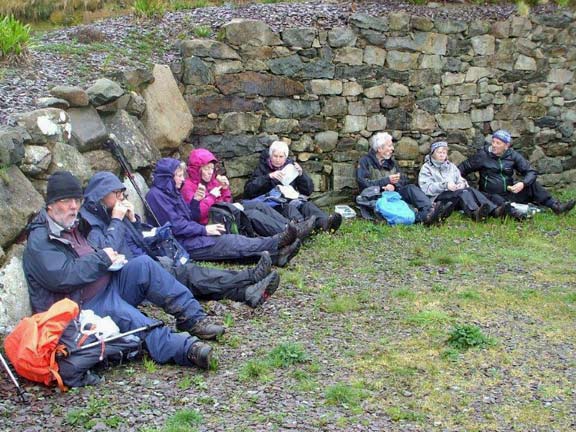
[144, 279]
[229, 247]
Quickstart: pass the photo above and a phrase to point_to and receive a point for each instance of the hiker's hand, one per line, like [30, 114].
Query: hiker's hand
[215, 229]
[112, 254]
[452, 187]
[119, 210]
[200, 193]
[298, 168]
[394, 178]
[389, 188]
[277, 175]
[224, 182]
[130, 214]
[516, 188]
[216, 192]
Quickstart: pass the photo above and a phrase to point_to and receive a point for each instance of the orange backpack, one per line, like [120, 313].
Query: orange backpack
[33, 344]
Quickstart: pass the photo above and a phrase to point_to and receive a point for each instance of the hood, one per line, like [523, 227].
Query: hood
[100, 185]
[38, 221]
[197, 159]
[164, 175]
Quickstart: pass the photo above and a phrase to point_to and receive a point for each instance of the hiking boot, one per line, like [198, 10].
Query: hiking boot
[263, 268]
[200, 354]
[433, 216]
[481, 213]
[204, 329]
[287, 237]
[507, 209]
[287, 253]
[258, 293]
[305, 228]
[501, 211]
[446, 210]
[334, 222]
[560, 208]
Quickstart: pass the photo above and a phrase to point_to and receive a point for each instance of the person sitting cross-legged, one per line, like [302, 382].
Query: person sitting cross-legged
[378, 168]
[497, 164]
[441, 180]
[59, 262]
[113, 223]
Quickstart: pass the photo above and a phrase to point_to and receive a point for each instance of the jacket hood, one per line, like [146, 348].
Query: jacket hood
[197, 159]
[164, 175]
[100, 185]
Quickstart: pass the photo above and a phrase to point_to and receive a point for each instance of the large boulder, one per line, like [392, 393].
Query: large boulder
[75, 96]
[88, 131]
[36, 161]
[68, 158]
[132, 139]
[19, 200]
[104, 91]
[14, 299]
[12, 145]
[167, 118]
[241, 31]
[47, 125]
[134, 197]
[208, 48]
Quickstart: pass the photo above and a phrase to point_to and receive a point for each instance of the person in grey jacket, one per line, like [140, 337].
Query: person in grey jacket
[441, 180]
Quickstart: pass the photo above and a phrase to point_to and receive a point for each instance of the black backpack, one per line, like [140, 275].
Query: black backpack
[234, 220]
[76, 368]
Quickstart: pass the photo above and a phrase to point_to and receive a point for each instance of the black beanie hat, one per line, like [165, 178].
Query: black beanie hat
[61, 185]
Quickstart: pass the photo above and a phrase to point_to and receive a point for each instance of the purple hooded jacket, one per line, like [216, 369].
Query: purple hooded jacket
[168, 206]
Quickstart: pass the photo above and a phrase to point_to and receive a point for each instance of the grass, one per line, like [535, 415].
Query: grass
[14, 38]
[459, 327]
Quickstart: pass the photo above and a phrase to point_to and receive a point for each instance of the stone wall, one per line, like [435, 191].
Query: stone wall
[324, 92]
[327, 92]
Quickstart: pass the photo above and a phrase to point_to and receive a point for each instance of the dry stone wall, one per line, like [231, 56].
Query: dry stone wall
[327, 92]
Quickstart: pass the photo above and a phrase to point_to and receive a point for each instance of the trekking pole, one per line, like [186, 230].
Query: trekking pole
[21, 392]
[118, 154]
[118, 336]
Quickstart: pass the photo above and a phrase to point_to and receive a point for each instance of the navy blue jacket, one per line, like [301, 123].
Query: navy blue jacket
[121, 235]
[497, 173]
[52, 267]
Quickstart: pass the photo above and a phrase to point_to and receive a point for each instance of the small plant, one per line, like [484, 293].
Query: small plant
[149, 365]
[185, 383]
[14, 38]
[149, 8]
[345, 395]
[228, 320]
[397, 414]
[465, 336]
[255, 369]
[202, 31]
[287, 354]
[185, 420]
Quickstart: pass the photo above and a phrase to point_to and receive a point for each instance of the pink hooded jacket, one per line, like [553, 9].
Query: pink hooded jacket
[198, 158]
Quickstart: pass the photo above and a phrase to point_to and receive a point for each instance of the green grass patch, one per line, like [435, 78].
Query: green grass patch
[466, 336]
[345, 395]
[14, 38]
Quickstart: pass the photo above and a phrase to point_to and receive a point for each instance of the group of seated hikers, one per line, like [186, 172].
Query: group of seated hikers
[90, 246]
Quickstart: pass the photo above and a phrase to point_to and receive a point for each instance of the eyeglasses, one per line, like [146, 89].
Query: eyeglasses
[121, 194]
[69, 201]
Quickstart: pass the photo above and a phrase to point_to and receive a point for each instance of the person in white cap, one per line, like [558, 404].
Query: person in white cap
[497, 164]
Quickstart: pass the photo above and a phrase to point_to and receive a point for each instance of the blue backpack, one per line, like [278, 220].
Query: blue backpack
[396, 212]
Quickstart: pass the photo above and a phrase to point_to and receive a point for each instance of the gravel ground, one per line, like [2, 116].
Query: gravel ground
[20, 86]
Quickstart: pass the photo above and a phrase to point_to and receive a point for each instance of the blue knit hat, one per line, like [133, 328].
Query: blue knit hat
[437, 145]
[503, 135]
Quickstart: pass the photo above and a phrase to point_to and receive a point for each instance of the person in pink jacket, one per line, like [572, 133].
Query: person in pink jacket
[206, 186]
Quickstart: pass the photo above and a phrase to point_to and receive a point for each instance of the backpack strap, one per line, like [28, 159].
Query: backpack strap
[60, 350]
